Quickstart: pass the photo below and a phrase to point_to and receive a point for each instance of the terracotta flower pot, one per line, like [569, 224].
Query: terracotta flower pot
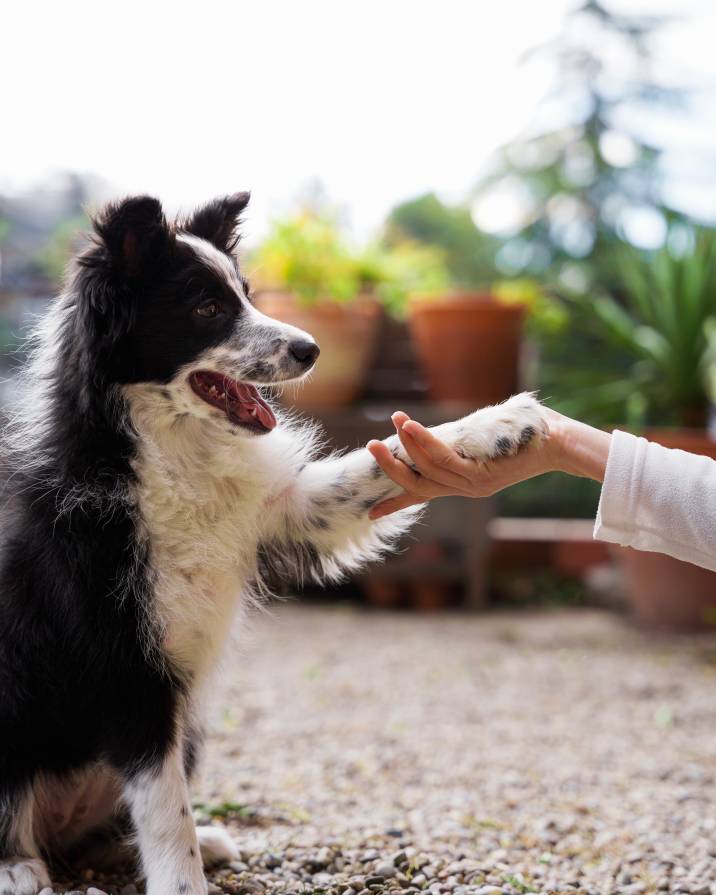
[469, 346]
[666, 593]
[346, 334]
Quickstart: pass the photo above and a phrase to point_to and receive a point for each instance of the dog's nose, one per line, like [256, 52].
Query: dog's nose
[304, 350]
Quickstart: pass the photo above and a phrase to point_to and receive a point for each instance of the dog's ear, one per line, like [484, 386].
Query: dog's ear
[135, 235]
[218, 222]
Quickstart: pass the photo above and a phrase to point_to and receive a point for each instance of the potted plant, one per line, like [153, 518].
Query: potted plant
[663, 314]
[308, 276]
[471, 343]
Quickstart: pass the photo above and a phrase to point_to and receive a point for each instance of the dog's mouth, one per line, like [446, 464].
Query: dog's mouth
[241, 403]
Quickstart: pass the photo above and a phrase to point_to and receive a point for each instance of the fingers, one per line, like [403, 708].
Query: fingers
[438, 451]
[439, 471]
[400, 418]
[393, 505]
[395, 469]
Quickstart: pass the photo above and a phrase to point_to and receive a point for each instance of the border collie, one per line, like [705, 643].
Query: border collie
[148, 487]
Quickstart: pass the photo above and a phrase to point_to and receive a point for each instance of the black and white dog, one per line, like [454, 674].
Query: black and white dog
[147, 486]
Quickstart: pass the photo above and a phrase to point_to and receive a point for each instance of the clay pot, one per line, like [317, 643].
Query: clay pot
[347, 335]
[666, 593]
[469, 346]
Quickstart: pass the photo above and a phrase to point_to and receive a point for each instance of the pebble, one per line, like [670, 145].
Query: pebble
[385, 870]
[129, 889]
[93, 891]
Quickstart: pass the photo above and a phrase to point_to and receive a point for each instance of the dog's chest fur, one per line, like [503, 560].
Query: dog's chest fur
[200, 496]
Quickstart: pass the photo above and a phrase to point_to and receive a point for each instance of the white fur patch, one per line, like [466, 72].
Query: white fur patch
[218, 261]
[217, 846]
[23, 877]
[202, 486]
[159, 804]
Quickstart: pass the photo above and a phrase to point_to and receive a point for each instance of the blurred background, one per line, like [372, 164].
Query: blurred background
[459, 200]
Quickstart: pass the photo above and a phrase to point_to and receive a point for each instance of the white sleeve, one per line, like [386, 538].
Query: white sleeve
[658, 499]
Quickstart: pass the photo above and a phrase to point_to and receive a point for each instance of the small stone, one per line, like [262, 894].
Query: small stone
[419, 880]
[702, 890]
[129, 889]
[213, 889]
[236, 866]
[489, 890]
[634, 889]
[385, 870]
[47, 891]
[323, 857]
[93, 891]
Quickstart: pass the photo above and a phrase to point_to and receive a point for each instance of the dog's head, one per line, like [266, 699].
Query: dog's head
[168, 305]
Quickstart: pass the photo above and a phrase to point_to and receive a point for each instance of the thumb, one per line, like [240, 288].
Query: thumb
[393, 505]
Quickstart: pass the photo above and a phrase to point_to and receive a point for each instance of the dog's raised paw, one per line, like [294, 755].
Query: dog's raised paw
[502, 430]
[23, 876]
[520, 422]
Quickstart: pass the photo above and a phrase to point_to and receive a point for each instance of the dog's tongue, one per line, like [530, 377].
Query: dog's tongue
[250, 407]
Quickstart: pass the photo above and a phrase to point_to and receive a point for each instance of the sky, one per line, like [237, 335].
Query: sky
[379, 100]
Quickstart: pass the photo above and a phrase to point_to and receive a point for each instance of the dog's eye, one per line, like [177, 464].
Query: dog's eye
[208, 309]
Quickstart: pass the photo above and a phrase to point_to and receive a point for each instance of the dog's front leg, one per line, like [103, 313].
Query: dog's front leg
[158, 800]
[318, 526]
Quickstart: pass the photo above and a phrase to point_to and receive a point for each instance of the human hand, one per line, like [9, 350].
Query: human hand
[570, 447]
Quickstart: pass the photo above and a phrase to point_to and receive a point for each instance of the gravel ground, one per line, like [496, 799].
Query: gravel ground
[357, 754]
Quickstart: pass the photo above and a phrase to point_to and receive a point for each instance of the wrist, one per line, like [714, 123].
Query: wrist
[578, 449]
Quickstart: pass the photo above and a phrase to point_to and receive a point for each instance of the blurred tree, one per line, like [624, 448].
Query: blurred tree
[584, 177]
[65, 239]
[469, 254]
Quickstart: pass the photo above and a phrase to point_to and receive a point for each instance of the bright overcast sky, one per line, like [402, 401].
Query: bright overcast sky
[377, 99]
